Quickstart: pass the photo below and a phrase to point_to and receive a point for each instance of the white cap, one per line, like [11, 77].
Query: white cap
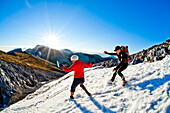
[74, 58]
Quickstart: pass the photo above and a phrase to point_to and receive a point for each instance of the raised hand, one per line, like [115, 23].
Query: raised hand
[92, 62]
[61, 65]
[105, 52]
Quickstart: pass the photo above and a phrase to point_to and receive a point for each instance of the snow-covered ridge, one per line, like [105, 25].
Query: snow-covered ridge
[152, 54]
[147, 91]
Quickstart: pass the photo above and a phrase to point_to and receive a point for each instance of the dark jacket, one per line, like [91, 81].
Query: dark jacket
[123, 58]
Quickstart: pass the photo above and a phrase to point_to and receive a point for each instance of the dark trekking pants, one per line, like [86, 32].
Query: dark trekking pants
[1, 97]
[123, 67]
[76, 82]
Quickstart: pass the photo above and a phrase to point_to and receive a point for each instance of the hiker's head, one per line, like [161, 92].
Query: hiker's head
[117, 49]
[74, 58]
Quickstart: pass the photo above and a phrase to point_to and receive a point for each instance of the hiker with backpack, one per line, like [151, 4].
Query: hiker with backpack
[78, 67]
[123, 56]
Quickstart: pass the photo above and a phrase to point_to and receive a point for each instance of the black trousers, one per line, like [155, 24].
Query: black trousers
[76, 82]
[1, 97]
[119, 71]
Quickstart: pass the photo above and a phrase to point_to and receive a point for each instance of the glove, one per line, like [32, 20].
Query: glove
[92, 62]
[105, 51]
[114, 70]
[61, 65]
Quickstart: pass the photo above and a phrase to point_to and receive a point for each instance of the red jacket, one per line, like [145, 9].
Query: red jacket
[78, 68]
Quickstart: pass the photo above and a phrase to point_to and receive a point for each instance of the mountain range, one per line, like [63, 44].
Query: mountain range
[63, 56]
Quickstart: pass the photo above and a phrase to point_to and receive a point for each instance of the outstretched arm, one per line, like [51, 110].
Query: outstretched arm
[110, 53]
[88, 65]
[68, 69]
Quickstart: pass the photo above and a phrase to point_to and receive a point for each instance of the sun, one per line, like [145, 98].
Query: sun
[51, 40]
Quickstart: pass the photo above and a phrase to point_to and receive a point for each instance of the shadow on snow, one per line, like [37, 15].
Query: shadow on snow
[101, 107]
[168, 109]
[154, 83]
[83, 109]
[96, 103]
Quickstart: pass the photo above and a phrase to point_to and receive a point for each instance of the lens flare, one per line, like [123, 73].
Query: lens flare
[51, 40]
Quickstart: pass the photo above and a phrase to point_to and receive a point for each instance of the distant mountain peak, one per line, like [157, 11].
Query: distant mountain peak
[63, 56]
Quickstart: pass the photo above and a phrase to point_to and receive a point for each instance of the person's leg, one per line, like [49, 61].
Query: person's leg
[118, 70]
[73, 87]
[123, 67]
[83, 87]
[71, 96]
[1, 98]
[113, 77]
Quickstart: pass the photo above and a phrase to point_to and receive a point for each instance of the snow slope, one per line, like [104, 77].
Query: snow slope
[147, 91]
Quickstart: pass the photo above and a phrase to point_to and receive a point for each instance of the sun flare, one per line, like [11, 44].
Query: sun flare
[51, 40]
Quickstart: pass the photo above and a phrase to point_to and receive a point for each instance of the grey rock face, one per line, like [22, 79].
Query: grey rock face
[108, 63]
[155, 53]
[17, 81]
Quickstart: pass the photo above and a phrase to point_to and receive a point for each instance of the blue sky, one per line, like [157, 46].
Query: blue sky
[84, 25]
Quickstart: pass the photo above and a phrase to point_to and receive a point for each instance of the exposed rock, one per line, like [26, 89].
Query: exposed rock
[107, 64]
[18, 79]
[154, 53]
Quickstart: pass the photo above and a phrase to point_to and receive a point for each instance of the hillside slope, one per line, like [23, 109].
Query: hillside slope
[22, 74]
[147, 91]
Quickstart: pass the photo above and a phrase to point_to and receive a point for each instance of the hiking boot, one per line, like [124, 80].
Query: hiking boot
[110, 82]
[124, 83]
[71, 97]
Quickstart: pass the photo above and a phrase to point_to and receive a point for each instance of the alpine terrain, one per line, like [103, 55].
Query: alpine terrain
[147, 91]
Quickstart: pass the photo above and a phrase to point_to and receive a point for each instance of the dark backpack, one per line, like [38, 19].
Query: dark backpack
[126, 51]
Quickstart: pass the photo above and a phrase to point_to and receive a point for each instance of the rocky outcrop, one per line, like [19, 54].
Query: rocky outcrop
[154, 53]
[108, 63]
[18, 79]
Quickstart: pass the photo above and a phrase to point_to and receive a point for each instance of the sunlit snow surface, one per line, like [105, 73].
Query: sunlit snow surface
[147, 91]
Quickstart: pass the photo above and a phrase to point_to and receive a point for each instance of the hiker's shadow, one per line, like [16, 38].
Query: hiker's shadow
[101, 107]
[168, 109]
[96, 103]
[154, 83]
[83, 109]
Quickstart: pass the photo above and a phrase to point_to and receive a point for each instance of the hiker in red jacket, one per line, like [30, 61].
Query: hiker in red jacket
[78, 67]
